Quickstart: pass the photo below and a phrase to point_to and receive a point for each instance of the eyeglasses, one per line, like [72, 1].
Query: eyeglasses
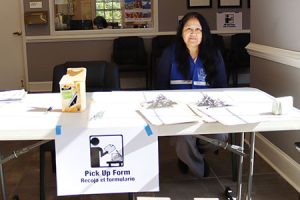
[191, 29]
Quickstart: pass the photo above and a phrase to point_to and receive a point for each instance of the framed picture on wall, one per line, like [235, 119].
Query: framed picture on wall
[199, 3]
[230, 4]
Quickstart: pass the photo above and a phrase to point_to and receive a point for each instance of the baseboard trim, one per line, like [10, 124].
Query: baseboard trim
[283, 164]
[45, 86]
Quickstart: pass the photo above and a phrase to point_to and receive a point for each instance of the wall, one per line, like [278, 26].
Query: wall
[272, 24]
[43, 56]
[169, 11]
[271, 28]
[275, 68]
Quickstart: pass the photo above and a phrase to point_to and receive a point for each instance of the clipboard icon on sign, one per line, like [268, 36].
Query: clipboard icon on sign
[106, 151]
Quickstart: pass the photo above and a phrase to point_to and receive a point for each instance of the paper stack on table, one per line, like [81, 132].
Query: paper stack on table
[176, 114]
[12, 95]
[159, 109]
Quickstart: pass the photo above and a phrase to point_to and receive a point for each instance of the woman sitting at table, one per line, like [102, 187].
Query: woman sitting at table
[192, 62]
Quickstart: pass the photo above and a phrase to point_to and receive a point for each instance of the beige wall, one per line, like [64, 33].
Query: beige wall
[273, 24]
[169, 12]
[42, 57]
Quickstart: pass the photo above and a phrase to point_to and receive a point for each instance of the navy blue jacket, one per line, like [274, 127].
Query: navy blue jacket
[163, 70]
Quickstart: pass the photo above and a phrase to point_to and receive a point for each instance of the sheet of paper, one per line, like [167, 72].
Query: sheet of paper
[12, 95]
[246, 96]
[176, 114]
[254, 113]
[222, 115]
[203, 116]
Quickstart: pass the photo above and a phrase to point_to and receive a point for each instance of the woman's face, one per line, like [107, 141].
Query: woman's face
[192, 33]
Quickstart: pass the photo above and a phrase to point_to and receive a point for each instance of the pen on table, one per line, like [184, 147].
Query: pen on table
[49, 109]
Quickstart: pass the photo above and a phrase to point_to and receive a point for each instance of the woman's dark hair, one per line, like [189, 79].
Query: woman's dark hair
[207, 51]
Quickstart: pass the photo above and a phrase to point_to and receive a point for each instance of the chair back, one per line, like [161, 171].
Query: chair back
[101, 75]
[129, 51]
[239, 57]
[220, 44]
[159, 43]
[238, 43]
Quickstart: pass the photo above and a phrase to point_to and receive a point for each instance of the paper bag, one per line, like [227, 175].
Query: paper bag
[72, 90]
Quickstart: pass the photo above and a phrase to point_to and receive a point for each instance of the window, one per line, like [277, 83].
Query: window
[103, 14]
[110, 10]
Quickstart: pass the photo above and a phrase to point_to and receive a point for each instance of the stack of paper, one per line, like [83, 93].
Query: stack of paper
[176, 114]
[222, 115]
[12, 95]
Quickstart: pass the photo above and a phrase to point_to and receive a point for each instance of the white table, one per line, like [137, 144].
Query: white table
[29, 119]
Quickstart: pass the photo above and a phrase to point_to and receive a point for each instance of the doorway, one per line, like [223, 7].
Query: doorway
[12, 73]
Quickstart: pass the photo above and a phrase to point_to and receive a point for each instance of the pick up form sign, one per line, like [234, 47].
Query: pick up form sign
[106, 160]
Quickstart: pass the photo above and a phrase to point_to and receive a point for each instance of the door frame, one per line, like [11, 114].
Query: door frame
[25, 66]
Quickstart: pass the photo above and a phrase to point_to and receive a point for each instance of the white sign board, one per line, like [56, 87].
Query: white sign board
[229, 21]
[106, 160]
